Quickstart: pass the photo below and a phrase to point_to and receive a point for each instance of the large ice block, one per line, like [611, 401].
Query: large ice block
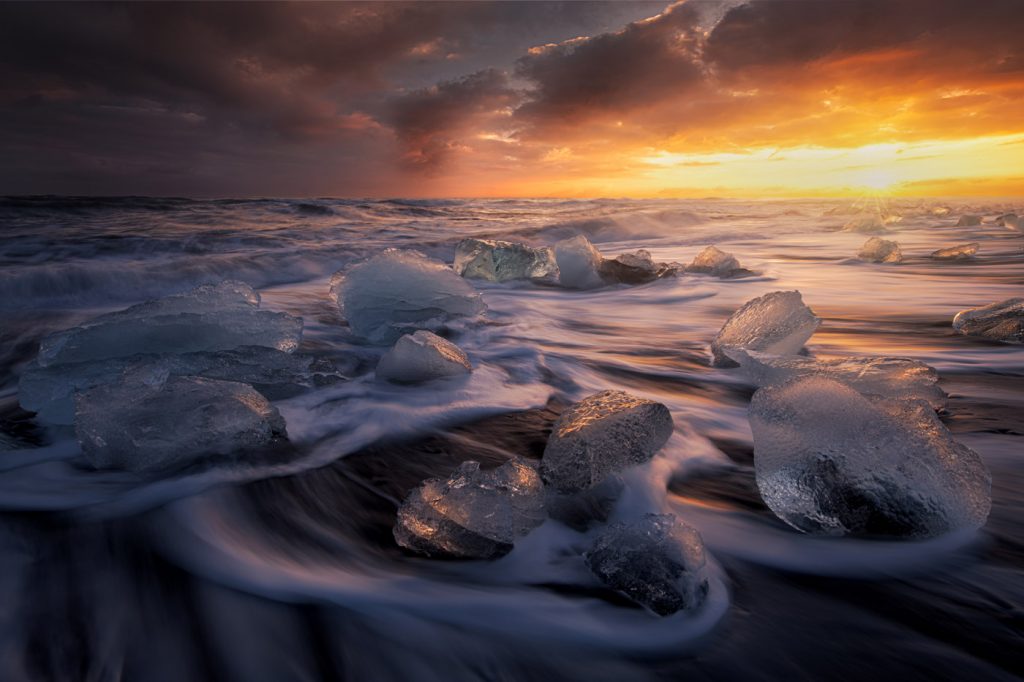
[1002, 321]
[579, 263]
[500, 261]
[422, 356]
[714, 261]
[878, 250]
[777, 323]
[634, 268]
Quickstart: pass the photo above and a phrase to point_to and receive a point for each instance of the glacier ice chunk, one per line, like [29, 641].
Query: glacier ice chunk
[472, 514]
[149, 421]
[208, 318]
[714, 261]
[658, 562]
[602, 435]
[579, 263]
[422, 356]
[1003, 321]
[500, 261]
[397, 292]
[831, 461]
[1010, 220]
[968, 220]
[777, 323]
[878, 250]
[50, 391]
[959, 252]
[880, 376]
[634, 268]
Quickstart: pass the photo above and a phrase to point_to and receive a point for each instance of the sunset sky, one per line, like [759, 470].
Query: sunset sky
[761, 99]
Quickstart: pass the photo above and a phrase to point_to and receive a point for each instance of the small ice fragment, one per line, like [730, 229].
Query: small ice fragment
[878, 250]
[149, 421]
[967, 220]
[658, 562]
[831, 461]
[578, 263]
[422, 356]
[473, 514]
[777, 323]
[880, 376]
[1008, 220]
[865, 224]
[208, 318]
[499, 261]
[1003, 321]
[602, 435]
[714, 261]
[957, 252]
[397, 292]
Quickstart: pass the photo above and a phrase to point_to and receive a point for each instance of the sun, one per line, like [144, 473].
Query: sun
[877, 179]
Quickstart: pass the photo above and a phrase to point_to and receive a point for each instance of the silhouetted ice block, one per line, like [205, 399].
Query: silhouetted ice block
[602, 435]
[969, 221]
[957, 252]
[498, 261]
[878, 250]
[777, 323]
[397, 292]
[1002, 321]
[881, 376]
[473, 514]
[865, 224]
[149, 421]
[208, 318]
[422, 356]
[714, 261]
[50, 391]
[831, 461]
[579, 263]
[658, 562]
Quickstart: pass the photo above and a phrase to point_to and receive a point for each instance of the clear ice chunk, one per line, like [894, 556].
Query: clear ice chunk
[714, 261]
[831, 461]
[208, 318]
[602, 435]
[579, 263]
[50, 391]
[499, 261]
[658, 562]
[150, 421]
[959, 252]
[422, 356]
[777, 323]
[967, 220]
[397, 292]
[473, 514]
[878, 250]
[881, 376]
[1003, 321]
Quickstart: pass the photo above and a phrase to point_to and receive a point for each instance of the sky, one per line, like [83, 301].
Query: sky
[773, 98]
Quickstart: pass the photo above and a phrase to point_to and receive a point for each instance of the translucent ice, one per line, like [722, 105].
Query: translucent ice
[878, 250]
[499, 261]
[397, 292]
[49, 391]
[149, 421]
[658, 561]
[208, 318]
[957, 252]
[777, 323]
[880, 376]
[714, 261]
[601, 435]
[473, 514]
[969, 221]
[1002, 321]
[634, 268]
[422, 356]
[579, 263]
[1011, 220]
[831, 461]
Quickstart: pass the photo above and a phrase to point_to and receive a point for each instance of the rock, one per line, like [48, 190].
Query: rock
[473, 514]
[151, 421]
[877, 250]
[1002, 321]
[602, 435]
[714, 261]
[498, 261]
[969, 221]
[961, 252]
[397, 292]
[777, 323]
[658, 562]
[422, 356]
[208, 318]
[578, 263]
[831, 461]
[880, 376]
